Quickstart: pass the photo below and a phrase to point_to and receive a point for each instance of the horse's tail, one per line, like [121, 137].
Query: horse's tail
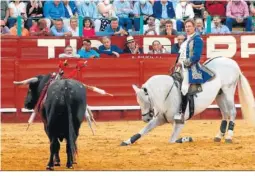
[246, 99]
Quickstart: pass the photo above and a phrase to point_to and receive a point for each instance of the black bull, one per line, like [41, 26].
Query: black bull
[62, 113]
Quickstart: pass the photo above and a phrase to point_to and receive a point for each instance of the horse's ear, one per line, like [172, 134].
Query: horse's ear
[136, 89]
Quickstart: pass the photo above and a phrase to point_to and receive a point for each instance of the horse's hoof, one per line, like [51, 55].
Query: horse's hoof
[228, 141]
[123, 144]
[50, 168]
[57, 164]
[216, 139]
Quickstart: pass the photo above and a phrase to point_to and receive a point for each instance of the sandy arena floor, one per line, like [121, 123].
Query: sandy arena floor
[29, 150]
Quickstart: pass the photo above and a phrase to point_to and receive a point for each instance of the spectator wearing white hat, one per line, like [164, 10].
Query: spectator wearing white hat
[132, 47]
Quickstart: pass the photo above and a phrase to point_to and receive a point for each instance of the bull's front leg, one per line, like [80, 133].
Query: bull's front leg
[151, 125]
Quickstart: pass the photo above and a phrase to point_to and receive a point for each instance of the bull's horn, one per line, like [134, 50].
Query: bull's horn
[27, 81]
[136, 89]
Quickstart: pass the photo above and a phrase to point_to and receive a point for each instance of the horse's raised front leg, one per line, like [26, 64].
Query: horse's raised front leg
[151, 125]
[176, 132]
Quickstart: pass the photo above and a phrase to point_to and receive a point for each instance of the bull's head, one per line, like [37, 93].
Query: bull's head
[36, 85]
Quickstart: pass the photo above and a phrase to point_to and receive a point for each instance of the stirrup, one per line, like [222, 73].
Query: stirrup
[179, 118]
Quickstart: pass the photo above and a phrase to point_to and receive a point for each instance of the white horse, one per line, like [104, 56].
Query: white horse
[160, 99]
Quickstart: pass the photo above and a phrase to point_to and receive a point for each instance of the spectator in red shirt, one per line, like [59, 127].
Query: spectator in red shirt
[88, 30]
[216, 8]
[40, 28]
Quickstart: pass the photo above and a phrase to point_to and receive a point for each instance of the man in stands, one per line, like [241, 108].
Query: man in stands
[108, 48]
[176, 47]
[199, 26]
[238, 13]
[141, 8]
[157, 48]
[59, 29]
[219, 28]
[14, 29]
[40, 28]
[123, 11]
[151, 28]
[68, 53]
[115, 29]
[53, 10]
[132, 47]
[4, 29]
[163, 10]
[86, 51]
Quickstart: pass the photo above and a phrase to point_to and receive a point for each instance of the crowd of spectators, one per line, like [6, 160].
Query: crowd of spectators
[122, 17]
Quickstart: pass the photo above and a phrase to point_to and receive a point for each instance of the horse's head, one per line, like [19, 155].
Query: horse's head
[144, 101]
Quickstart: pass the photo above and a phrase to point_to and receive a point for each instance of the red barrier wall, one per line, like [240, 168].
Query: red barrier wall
[22, 58]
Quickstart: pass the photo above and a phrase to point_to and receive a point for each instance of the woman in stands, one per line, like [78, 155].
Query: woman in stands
[106, 12]
[16, 8]
[88, 30]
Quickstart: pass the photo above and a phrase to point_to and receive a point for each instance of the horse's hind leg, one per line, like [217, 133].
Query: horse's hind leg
[222, 103]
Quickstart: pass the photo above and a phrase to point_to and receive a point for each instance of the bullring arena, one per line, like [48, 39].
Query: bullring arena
[119, 117]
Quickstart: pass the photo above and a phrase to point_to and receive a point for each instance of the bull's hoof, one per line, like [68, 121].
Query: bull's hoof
[69, 167]
[216, 139]
[228, 141]
[123, 144]
[57, 164]
[50, 168]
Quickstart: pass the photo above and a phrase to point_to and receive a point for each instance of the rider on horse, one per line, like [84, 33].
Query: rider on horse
[188, 65]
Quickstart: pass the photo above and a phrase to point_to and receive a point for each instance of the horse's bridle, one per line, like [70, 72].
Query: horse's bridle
[151, 110]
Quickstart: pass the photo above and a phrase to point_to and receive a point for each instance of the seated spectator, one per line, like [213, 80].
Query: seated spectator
[4, 11]
[115, 29]
[163, 10]
[157, 48]
[53, 10]
[109, 49]
[219, 28]
[40, 29]
[238, 13]
[184, 11]
[14, 29]
[88, 9]
[16, 8]
[73, 28]
[198, 8]
[70, 11]
[88, 30]
[123, 10]
[199, 26]
[205, 20]
[216, 8]
[34, 9]
[168, 29]
[141, 8]
[4, 29]
[150, 28]
[59, 29]
[132, 47]
[252, 8]
[106, 12]
[176, 47]
[68, 53]
[86, 51]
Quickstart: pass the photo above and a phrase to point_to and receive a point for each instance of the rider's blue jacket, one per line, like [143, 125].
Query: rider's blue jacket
[197, 74]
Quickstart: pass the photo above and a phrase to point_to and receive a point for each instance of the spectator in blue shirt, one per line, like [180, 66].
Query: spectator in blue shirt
[163, 10]
[219, 28]
[176, 47]
[141, 8]
[115, 29]
[70, 8]
[59, 29]
[86, 51]
[53, 10]
[108, 48]
[123, 10]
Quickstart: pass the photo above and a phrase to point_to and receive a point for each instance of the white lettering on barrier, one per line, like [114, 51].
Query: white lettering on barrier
[51, 44]
[227, 40]
[245, 50]
[147, 41]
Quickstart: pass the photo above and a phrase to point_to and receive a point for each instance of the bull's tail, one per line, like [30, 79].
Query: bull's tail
[246, 99]
[71, 132]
